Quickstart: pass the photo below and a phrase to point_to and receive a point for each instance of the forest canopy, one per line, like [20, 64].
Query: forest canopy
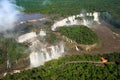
[80, 34]
[70, 7]
[61, 69]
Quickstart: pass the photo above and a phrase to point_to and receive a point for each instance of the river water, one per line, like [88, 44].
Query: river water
[26, 17]
[23, 22]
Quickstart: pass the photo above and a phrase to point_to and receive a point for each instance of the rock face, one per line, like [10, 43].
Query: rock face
[81, 19]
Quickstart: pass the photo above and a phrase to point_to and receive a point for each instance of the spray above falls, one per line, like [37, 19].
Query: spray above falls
[8, 14]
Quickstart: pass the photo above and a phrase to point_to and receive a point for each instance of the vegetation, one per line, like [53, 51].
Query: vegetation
[60, 70]
[2, 56]
[70, 7]
[10, 48]
[80, 34]
[51, 37]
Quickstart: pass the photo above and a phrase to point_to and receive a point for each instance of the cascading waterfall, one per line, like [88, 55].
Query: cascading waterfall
[61, 48]
[40, 51]
[96, 17]
[36, 59]
[86, 19]
[35, 56]
[8, 64]
[42, 33]
[39, 57]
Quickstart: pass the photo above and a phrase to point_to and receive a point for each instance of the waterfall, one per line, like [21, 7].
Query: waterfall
[85, 22]
[41, 51]
[48, 57]
[8, 64]
[81, 19]
[54, 52]
[77, 49]
[46, 54]
[42, 33]
[61, 48]
[96, 17]
[43, 54]
[36, 59]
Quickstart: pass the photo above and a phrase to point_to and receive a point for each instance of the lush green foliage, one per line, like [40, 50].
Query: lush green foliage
[51, 37]
[70, 7]
[80, 34]
[12, 48]
[2, 56]
[59, 70]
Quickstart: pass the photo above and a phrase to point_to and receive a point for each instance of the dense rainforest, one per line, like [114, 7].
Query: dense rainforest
[65, 69]
[80, 34]
[72, 67]
[70, 7]
[65, 8]
[10, 49]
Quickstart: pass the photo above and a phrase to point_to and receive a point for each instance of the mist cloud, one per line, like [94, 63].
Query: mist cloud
[8, 15]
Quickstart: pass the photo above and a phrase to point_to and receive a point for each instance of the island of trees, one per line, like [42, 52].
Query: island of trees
[80, 34]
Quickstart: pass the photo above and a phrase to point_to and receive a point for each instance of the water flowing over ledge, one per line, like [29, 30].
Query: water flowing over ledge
[86, 19]
[40, 50]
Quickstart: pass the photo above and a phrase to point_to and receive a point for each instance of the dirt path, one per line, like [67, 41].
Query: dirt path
[88, 62]
[110, 40]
